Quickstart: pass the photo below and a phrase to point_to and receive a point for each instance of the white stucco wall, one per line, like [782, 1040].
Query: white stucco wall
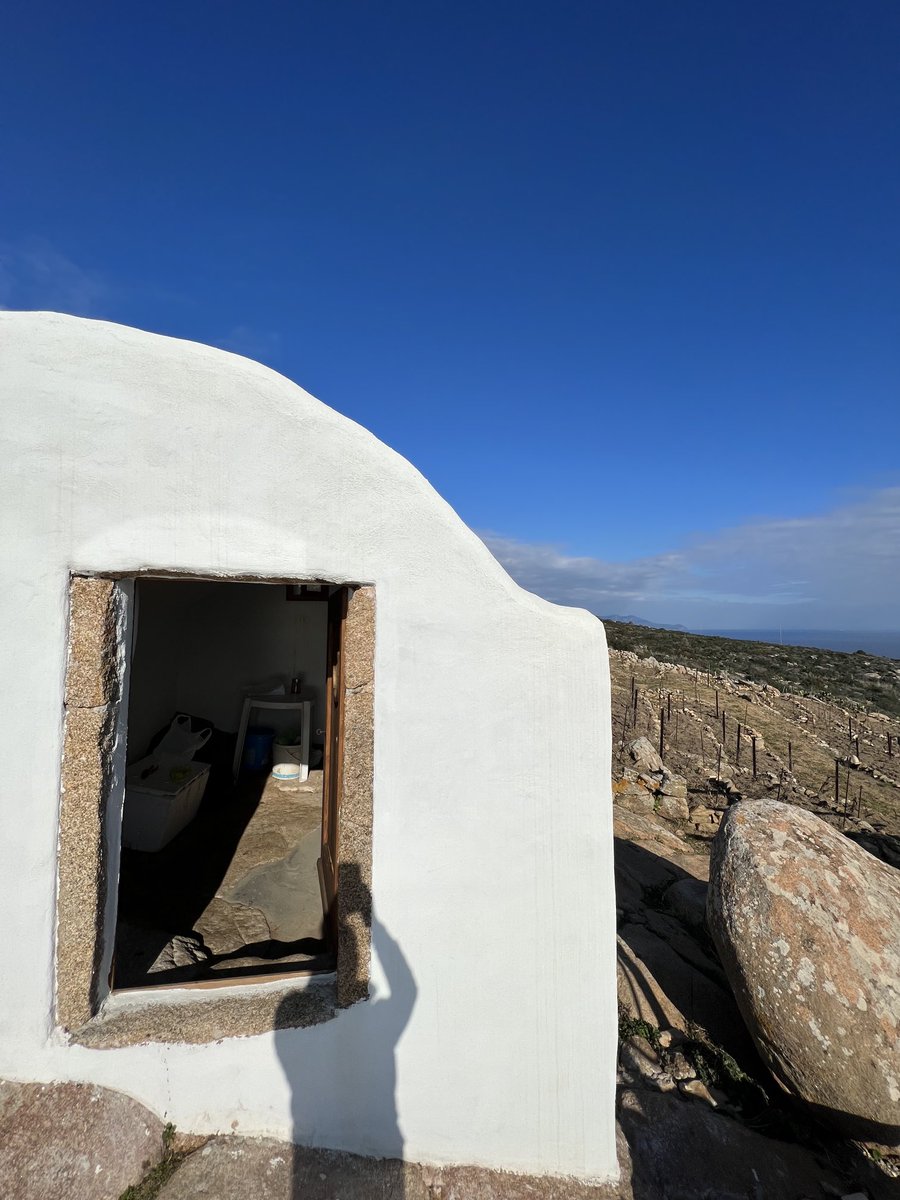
[493, 882]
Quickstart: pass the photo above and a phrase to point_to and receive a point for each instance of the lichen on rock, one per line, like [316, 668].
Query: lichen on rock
[807, 925]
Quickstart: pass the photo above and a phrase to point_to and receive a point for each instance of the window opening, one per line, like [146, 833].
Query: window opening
[234, 746]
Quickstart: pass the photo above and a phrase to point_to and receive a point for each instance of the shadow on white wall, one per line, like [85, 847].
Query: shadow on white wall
[348, 1081]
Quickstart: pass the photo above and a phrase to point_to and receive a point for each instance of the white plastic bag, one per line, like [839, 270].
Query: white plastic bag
[179, 742]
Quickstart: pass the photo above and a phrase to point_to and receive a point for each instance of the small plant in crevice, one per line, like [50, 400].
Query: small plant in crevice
[152, 1183]
[762, 1109]
[756, 1107]
[631, 1026]
[717, 1068]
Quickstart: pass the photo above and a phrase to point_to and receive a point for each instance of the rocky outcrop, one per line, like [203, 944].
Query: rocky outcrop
[673, 803]
[883, 846]
[687, 1140]
[807, 926]
[665, 973]
[649, 785]
[630, 794]
[686, 900]
[682, 1148]
[705, 821]
[66, 1140]
[644, 756]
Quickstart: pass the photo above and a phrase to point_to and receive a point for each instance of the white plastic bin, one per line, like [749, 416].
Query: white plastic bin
[160, 799]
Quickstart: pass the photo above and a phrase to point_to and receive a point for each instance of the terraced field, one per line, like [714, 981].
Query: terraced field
[834, 756]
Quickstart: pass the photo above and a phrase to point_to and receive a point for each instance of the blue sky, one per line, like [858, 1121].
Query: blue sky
[622, 279]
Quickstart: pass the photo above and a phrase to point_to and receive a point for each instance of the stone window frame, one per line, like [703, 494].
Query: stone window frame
[91, 784]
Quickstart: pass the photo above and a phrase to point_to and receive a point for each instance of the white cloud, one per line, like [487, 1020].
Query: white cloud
[839, 568]
[589, 582]
[35, 275]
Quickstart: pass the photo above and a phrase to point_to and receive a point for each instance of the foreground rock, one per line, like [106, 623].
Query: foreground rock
[807, 926]
[683, 1149]
[235, 1168]
[665, 974]
[883, 846]
[73, 1141]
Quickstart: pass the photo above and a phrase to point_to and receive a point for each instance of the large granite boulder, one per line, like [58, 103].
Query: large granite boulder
[73, 1141]
[807, 926]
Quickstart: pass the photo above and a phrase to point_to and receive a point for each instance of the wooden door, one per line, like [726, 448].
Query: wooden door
[334, 757]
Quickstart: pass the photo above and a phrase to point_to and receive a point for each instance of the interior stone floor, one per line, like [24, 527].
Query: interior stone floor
[236, 892]
[271, 886]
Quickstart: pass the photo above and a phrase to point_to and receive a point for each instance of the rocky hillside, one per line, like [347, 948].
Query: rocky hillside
[834, 757]
[860, 681]
[720, 1094]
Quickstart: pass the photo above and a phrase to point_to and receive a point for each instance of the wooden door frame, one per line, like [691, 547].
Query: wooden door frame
[352, 780]
[333, 765]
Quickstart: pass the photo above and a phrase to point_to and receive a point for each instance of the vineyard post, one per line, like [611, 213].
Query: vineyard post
[622, 741]
[662, 732]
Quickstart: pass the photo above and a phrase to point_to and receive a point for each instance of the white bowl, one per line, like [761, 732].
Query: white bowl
[286, 772]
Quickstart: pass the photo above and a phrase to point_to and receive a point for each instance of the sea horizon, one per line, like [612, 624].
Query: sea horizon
[882, 642]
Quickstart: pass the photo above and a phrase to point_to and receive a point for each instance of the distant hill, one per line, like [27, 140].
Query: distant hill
[631, 619]
[856, 680]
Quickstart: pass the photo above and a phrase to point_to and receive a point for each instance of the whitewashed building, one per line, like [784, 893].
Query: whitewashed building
[462, 1007]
